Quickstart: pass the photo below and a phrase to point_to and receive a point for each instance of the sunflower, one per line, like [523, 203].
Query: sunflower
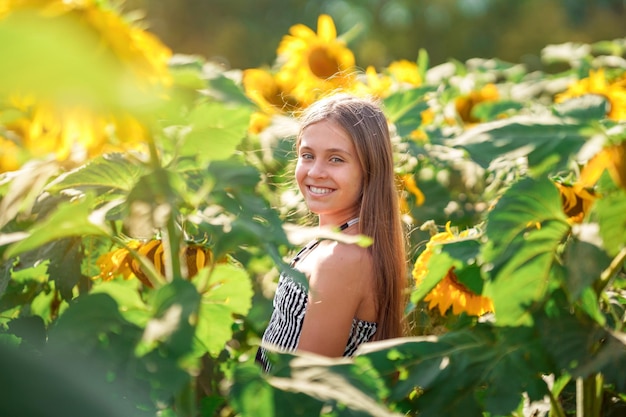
[611, 158]
[312, 64]
[597, 83]
[11, 156]
[373, 84]
[577, 200]
[77, 132]
[117, 262]
[449, 292]
[265, 90]
[407, 182]
[405, 72]
[121, 262]
[140, 51]
[465, 104]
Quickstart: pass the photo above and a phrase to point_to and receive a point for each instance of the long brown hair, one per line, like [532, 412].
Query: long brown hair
[379, 217]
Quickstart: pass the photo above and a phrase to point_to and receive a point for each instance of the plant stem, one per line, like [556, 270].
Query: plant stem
[556, 410]
[589, 396]
[612, 270]
[185, 401]
[172, 236]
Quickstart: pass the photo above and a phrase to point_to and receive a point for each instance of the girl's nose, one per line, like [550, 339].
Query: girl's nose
[317, 170]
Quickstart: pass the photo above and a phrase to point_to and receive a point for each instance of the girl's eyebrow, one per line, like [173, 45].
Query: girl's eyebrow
[329, 150]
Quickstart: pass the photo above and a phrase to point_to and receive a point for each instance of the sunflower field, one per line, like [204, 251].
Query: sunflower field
[147, 207]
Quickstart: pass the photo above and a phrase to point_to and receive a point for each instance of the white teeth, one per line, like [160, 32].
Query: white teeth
[320, 190]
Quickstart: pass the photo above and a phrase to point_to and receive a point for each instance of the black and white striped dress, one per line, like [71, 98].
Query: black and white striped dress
[285, 325]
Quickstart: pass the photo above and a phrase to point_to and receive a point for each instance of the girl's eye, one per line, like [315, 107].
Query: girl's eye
[306, 156]
[336, 159]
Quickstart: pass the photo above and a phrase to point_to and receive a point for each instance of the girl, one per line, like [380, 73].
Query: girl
[345, 172]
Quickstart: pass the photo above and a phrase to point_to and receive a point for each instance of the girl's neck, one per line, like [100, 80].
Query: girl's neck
[343, 225]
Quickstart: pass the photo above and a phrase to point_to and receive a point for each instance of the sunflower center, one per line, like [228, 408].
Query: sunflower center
[322, 64]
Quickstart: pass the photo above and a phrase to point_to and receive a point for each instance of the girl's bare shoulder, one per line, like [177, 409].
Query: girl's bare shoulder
[344, 261]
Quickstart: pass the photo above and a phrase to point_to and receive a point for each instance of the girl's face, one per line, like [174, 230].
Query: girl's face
[329, 173]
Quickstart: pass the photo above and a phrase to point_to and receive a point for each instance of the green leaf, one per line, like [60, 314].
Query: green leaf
[422, 63]
[610, 210]
[490, 110]
[216, 131]
[460, 255]
[588, 106]
[102, 314]
[547, 142]
[354, 387]
[250, 394]
[584, 263]
[229, 292]
[438, 266]
[23, 188]
[174, 305]
[65, 265]
[226, 90]
[583, 348]
[31, 329]
[590, 304]
[524, 231]
[70, 219]
[126, 294]
[403, 108]
[466, 268]
[110, 172]
[464, 372]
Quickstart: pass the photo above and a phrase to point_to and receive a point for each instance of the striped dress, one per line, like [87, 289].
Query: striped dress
[285, 325]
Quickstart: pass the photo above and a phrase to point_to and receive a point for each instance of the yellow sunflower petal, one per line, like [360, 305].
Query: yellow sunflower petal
[326, 28]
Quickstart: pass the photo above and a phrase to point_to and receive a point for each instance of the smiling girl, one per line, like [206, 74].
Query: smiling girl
[355, 295]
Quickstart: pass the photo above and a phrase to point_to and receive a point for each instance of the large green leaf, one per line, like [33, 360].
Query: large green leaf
[612, 220]
[582, 348]
[463, 372]
[250, 394]
[253, 395]
[126, 294]
[584, 262]
[216, 131]
[70, 219]
[93, 328]
[23, 187]
[226, 90]
[354, 388]
[110, 172]
[524, 231]
[588, 106]
[174, 307]
[547, 142]
[65, 265]
[492, 110]
[229, 292]
[106, 327]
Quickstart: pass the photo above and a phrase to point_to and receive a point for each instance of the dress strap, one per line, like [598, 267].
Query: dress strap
[311, 245]
[349, 223]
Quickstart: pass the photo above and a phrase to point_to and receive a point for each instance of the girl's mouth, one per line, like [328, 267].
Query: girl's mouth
[320, 190]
